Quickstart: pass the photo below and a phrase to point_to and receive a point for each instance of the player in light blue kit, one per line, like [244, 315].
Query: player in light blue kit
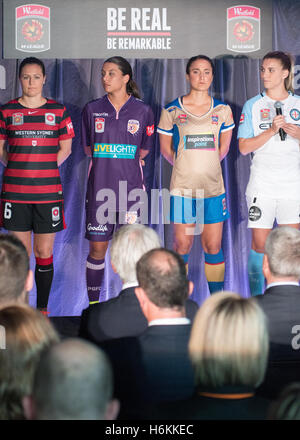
[273, 191]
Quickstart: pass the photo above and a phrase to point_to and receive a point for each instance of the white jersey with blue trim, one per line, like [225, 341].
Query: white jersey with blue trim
[275, 167]
[196, 147]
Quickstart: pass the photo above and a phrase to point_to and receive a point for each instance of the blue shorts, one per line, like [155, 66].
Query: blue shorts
[203, 211]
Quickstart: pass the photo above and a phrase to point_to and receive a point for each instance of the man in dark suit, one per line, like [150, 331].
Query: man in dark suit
[122, 316]
[155, 366]
[281, 304]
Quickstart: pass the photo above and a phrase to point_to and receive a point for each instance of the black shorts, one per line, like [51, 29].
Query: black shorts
[41, 218]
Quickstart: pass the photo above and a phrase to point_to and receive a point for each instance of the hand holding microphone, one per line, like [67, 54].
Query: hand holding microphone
[278, 107]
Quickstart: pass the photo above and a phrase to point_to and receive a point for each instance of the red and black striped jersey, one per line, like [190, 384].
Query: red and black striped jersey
[33, 136]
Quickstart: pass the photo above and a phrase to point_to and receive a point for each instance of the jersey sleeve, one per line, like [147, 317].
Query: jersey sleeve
[148, 134]
[86, 131]
[66, 130]
[3, 133]
[246, 126]
[228, 123]
[166, 123]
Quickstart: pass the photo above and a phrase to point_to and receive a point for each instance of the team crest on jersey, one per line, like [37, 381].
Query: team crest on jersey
[130, 217]
[265, 114]
[295, 114]
[133, 126]
[99, 125]
[182, 118]
[215, 119]
[34, 143]
[55, 214]
[50, 118]
[18, 119]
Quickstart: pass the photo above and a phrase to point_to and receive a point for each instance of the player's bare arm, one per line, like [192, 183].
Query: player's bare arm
[65, 149]
[166, 147]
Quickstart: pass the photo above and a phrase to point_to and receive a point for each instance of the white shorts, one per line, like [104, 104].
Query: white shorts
[262, 211]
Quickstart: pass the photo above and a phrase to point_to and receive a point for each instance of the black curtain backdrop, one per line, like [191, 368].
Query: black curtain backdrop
[75, 82]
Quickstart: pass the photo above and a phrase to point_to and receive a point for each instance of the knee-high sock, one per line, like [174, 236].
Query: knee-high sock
[43, 279]
[94, 278]
[255, 273]
[214, 271]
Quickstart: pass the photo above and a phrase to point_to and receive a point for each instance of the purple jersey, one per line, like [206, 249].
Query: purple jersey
[114, 140]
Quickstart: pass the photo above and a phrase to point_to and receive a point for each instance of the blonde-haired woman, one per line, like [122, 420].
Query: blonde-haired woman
[228, 349]
[269, 130]
[27, 333]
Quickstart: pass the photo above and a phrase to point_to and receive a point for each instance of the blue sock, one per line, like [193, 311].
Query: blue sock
[255, 273]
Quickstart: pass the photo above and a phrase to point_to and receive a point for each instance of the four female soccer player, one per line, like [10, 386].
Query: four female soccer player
[269, 130]
[117, 132]
[195, 132]
[39, 134]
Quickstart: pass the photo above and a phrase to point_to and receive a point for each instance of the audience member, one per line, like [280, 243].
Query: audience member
[73, 381]
[281, 267]
[122, 316]
[281, 304]
[154, 366]
[287, 406]
[16, 278]
[26, 333]
[228, 348]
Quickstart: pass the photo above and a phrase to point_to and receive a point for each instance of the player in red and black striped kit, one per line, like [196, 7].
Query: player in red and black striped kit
[39, 135]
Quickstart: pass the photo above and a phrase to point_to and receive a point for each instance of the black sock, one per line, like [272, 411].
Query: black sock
[43, 279]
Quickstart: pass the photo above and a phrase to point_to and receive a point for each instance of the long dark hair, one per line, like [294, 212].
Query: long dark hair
[287, 64]
[125, 67]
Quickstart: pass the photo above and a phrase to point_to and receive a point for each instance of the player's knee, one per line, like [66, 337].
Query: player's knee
[182, 245]
[98, 250]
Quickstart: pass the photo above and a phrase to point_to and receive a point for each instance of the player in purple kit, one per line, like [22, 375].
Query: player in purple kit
[117, 132]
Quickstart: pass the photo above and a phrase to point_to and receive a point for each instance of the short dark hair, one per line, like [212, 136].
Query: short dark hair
[162, 274]
[199, 57]
[14, 267]
[32, 60]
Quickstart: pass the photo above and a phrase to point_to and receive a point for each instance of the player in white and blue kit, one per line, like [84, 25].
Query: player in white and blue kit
[273, 191]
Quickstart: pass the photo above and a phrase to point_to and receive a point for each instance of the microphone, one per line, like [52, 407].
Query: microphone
[278, 107]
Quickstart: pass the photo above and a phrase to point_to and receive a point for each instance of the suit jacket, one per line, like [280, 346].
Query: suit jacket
[281, 305]
[152, 367]
[119, 317]
[211, 407]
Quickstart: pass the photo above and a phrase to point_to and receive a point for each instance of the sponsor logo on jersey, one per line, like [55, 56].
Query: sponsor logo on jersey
[99, 125]
[295, 114]
[55, 214]
[264, 114]
[254, 213]
[242, 118]
[114, 151]
[131, 217]
[100, 114]
[133, 126]
[150, 130]
[215, 119]
[17, 119]
[100, 229]
[199, 142]
[265, 125]
[50, 118]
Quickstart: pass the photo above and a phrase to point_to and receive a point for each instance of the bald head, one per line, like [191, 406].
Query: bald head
[162, 275]
[73, 381]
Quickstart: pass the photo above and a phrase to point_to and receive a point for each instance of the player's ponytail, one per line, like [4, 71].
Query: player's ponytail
[125, 67]
[287, 63]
